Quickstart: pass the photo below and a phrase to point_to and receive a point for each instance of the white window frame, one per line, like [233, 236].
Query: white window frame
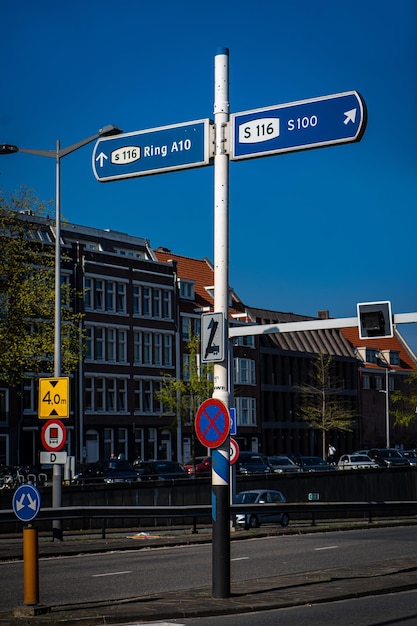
[245, 411]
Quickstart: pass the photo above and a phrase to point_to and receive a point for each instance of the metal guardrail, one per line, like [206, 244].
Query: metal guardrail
[314, 509]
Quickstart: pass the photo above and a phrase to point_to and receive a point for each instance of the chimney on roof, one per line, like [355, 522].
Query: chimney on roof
[323, 315]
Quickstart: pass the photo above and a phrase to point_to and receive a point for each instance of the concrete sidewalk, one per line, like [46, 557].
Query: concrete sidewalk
[253, 595]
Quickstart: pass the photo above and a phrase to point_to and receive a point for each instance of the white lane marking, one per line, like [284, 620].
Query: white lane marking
[241, 558]
[112, 574]
[327, 548]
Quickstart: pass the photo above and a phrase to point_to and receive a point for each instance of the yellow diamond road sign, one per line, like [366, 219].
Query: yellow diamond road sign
[53, 397]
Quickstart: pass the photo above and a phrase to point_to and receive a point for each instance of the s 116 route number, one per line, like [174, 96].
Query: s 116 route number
[268, 128]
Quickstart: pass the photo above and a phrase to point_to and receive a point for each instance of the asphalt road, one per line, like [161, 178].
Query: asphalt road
[128, 574]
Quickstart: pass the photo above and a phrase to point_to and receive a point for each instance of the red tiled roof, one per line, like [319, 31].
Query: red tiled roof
[202, 273]
[381, 344]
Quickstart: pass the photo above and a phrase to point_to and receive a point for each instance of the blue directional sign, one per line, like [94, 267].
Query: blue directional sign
[153, 151]
[26, 502]
[314, 123]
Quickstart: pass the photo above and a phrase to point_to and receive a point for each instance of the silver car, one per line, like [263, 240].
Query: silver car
[261, 496]
[356, 461]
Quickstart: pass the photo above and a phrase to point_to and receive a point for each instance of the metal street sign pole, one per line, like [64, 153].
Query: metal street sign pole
[220, 471]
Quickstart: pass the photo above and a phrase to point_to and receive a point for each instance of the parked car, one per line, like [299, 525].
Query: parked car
[411, 455]
[356, 461]
[161, 470]
[111, 471]
[200, 466]
[282, 465]
[260, 496]
[388, 457]
[252, 463]
[313, 464]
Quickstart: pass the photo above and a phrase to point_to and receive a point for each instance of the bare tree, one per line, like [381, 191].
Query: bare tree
[321, 405]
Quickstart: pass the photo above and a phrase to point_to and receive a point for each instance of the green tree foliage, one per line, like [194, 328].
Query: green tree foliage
[406, 403]
[321, 405]
[182, 397]
[27, 293]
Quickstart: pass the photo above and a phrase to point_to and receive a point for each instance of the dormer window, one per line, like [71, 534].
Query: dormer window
[371, 355]
[210, 291]
[391, 356]
[187, 289]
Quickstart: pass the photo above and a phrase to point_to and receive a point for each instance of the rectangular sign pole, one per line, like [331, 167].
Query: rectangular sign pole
[220, 472]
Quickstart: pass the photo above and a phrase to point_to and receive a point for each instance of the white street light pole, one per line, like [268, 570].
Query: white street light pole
[387, 424]
[58, 154]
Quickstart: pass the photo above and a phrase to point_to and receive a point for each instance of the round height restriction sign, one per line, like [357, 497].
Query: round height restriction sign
[212, 423]
[53, 435]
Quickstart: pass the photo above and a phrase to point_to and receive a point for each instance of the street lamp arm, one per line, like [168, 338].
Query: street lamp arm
[59, 153]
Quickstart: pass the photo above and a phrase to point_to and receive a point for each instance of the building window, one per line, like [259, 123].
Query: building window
[4, 450]
[106, 344]
[147, 348]
[4, 406]
[28, 395]
[167, 358]
[104, 295]
[139, 441]
[146, 312]
[137, 347]
[121, 346]
[166, 305]
[108, 442]
[186, 289]
[121, 298]
[157, 303]
[246, 411]
[137, 293]
[378, 382]
[99, 295]
[99, 343]
[88, 291]
[157, 349]
[394, 358]
[186, 325]
[152, 348]
[366, 382]
[111, 345]
[244, 371]
[248, 341]
[144, 392]
[105, 395]
[371, 355]
[111, 296]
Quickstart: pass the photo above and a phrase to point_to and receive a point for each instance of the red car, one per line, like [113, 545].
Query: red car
[201, 466]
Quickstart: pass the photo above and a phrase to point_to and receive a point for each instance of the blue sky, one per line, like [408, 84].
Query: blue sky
[310, 230]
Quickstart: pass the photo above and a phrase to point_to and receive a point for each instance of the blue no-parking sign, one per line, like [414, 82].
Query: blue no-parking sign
[212, 423]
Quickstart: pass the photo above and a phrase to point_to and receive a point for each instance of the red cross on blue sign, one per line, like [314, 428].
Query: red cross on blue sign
[212, 423]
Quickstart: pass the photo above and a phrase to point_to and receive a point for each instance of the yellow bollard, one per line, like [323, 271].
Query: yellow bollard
[30, 566]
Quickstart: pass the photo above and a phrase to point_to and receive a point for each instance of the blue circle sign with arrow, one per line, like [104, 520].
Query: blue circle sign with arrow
[26, 502]
[212, 423]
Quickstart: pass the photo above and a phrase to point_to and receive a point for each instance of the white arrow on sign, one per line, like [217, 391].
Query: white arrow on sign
[350, 116]
[101, 157]
[19, 503]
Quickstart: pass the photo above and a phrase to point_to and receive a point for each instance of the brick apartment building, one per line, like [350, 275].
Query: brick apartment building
[140, 307]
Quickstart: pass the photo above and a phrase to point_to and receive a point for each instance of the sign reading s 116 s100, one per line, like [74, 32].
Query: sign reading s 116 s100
[325, 121]
[152, 151]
